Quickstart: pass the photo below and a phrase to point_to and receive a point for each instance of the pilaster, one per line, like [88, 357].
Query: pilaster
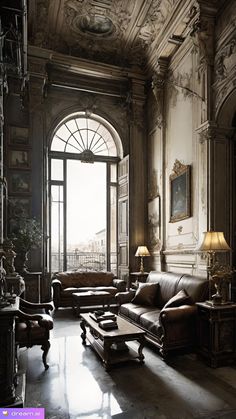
[203, 35]
[138, 169]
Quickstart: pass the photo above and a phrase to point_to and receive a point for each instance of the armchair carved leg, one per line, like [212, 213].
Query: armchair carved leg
[45, 348]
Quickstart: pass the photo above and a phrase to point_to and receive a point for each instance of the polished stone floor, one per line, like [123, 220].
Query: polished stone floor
[77, 386]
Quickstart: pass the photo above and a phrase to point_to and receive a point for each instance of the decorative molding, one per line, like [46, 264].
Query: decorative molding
[225, 60]
[157, 85]
[207, 131]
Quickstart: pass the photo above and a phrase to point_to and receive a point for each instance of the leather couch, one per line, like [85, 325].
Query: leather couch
[64, 284]
[168, 320]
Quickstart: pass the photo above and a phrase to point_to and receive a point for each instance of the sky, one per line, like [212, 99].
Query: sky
[86, 200]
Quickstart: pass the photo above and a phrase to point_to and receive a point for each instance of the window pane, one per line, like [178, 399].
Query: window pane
[90, 134]
[113, 228]
[113, 172]
[57, 230]
[86, 215]
[57, 169]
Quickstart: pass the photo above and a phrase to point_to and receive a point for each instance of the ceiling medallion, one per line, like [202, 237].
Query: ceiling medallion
[98, 25]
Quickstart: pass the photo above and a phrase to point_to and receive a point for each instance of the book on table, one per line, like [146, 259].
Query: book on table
[108, 315]
[108, 324]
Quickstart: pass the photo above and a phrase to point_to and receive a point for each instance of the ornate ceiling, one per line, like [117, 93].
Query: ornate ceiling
[120, 32]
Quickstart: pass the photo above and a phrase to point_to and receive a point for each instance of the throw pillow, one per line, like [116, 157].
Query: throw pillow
[146, 294]
[179, 299]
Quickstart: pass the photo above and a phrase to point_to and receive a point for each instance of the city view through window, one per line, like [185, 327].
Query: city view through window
[83, 194]
[85, 218]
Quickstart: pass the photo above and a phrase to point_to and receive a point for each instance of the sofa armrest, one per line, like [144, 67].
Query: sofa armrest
[176, 314]
[125, 297]
[57, 288]
[120, 284]
[36, 306]
[56, 283]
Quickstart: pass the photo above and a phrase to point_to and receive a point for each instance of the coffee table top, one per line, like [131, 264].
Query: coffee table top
[125, 328]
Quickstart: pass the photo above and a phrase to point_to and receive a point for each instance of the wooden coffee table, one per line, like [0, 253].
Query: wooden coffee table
[111, 344]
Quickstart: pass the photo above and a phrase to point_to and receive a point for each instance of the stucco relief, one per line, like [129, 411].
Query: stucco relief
[225, 65]
[203, 40]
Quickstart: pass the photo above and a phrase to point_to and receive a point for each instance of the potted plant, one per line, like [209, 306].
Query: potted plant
[26, 235]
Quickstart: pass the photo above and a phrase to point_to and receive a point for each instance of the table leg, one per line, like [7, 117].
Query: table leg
[140, 349]
[106, 349]
[83, 334]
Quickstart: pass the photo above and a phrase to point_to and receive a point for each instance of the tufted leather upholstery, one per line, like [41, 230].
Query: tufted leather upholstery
[168, 328]
[64, 284]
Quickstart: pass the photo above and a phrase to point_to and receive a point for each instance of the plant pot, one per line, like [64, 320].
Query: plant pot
[21, 262]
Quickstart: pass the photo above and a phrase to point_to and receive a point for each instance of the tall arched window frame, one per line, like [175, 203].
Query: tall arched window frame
[88, 138]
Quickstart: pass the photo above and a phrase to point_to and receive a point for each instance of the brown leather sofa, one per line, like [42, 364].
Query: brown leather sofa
[64, 284]
[169, 317]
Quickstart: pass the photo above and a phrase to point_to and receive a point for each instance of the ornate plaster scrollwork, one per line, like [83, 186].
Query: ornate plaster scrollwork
[203, 39]
[225, 60]
[158, 82]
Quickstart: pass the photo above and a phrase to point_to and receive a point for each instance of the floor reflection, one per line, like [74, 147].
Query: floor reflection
[77, 386]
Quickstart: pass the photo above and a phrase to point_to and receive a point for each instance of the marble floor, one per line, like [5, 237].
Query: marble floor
[77, 386]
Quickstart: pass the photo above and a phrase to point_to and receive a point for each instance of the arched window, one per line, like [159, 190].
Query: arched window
[83, 197]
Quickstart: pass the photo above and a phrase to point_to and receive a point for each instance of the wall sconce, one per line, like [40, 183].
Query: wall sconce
[213, 242]
[142, 251]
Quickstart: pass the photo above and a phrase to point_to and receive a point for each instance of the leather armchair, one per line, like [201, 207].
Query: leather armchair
[33, 326]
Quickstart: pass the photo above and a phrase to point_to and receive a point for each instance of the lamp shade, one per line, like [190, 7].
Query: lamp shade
[214, 241]
[142, 251]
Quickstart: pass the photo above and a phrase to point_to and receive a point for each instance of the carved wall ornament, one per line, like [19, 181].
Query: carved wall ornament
[225, 60]
[203, 40]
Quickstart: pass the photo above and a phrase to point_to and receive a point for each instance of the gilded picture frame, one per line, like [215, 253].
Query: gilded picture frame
[180, 192]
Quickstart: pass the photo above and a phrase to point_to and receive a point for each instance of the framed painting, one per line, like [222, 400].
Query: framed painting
[18, 206]
[180, 199]
[19, 159]
[19, 182]
[18, 136]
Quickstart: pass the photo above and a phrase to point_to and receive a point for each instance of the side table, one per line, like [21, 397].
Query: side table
[136, 277]
[217, 333]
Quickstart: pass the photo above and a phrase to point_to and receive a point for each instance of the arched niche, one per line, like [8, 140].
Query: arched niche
[226, 115]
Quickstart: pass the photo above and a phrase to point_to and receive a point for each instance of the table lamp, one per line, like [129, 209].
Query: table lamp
[142, 251]
[214, 241]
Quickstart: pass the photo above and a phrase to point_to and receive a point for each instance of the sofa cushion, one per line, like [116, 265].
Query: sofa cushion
[134, 311]
[150, 322]
[146, 294]
[179, 299]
